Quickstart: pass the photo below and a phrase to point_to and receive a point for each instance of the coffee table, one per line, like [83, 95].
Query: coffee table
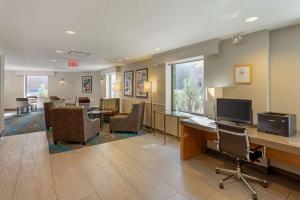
[96, 114]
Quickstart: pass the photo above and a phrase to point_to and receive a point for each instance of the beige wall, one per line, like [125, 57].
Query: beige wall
[254, 50]
[14, 87]
[1, 93]
[285, 71]
[155, 72]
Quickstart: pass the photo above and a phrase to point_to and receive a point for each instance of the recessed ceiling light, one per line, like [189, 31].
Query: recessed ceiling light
[157, 49]
[120, 60]
[251, 19]
[53, 60]
[69, 32]
[59, 51]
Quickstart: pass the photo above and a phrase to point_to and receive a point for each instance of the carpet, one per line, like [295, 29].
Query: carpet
[104, 137]
[33, 122]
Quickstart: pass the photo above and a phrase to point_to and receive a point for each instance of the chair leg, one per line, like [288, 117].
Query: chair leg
[240, 176]
[254, 195]
[225, 171]
[252, 178]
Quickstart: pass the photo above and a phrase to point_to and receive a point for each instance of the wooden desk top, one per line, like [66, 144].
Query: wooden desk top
[173, 113]
[287, 144]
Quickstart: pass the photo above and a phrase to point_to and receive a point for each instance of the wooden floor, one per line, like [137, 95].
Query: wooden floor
[129, 169]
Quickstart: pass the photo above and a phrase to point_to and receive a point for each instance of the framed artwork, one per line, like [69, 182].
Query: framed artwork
[87, 83]
[128, 83]
[242, 74]
[141, 76]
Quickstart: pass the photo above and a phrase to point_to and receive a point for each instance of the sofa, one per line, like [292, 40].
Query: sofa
[72, 124]
[109, 107]
[131, 122]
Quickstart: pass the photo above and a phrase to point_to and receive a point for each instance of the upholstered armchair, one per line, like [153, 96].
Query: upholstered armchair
[131, 122]
[47, 110]
[72, 124]
[84, 102]
[109, 107]
[47, 107]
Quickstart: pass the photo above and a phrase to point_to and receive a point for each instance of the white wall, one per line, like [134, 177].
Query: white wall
[73, 86]
[1, 93]
[14, 87]
[254, 50]
[285, 71]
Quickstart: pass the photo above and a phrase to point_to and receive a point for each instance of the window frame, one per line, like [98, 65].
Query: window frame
[172, 87]
[26, 85]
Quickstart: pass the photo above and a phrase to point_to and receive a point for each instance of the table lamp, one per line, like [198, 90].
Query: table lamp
[116, 88]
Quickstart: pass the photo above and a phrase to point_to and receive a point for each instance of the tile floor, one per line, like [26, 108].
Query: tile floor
[130, 169]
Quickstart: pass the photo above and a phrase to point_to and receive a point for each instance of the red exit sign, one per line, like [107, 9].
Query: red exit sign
[73, 63]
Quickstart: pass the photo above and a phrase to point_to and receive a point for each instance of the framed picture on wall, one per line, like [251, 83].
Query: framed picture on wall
[87, 84]
[128, 83]
[242, 74]
[141, 76]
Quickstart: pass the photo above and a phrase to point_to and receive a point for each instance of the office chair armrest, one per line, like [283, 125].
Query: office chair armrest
[257, 148]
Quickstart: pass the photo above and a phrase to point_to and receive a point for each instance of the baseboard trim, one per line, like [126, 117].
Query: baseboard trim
[256, 168]
[284, 173]
[9, 109]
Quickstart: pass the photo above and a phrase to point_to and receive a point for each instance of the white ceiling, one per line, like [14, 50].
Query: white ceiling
[32, 30]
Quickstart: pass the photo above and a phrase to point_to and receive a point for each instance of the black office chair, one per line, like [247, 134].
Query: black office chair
[234, 141]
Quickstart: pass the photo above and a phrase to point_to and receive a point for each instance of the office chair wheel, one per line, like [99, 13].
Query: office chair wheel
[265, 184]
[221, 186]
[254, 196]
[217, 171]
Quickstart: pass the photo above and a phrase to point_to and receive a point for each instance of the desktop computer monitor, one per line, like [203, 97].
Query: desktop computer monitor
[235, 110]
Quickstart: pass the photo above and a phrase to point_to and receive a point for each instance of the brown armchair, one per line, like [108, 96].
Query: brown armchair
[109, 107]
[47, 113]
[131, 122]
[47, 110]
[72, 124]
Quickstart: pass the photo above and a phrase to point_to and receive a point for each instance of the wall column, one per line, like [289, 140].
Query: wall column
[1, 93]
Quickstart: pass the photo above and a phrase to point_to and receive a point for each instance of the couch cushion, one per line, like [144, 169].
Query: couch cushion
[108, 104]
[58, 103]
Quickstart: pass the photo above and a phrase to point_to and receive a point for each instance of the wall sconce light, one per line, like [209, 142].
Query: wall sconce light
[62, 81]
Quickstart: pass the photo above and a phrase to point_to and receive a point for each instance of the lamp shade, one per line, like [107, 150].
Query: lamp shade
[116, 86]
[147, 86]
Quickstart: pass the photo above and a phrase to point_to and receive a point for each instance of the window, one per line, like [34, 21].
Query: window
[110, 81]
[187, 87]
[37, 86]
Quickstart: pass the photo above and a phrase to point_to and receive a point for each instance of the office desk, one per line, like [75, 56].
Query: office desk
[196, 131]
[171, 113]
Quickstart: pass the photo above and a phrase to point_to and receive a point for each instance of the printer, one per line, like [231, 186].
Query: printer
[277, 123]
